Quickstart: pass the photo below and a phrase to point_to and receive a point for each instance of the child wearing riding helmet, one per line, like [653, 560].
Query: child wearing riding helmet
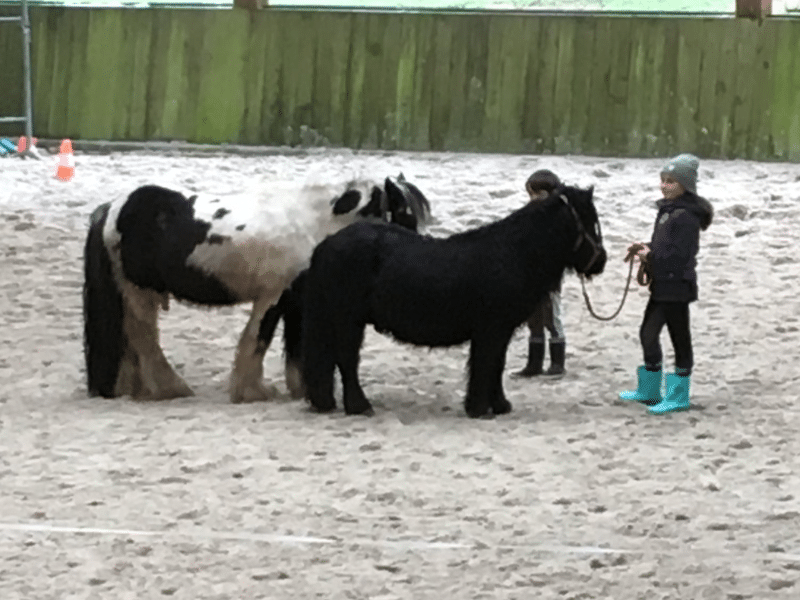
[548, 314]
[670, 259]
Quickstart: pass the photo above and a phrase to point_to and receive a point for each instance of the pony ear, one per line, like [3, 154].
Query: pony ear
[391, 187]
[346, 202]
[408, 197]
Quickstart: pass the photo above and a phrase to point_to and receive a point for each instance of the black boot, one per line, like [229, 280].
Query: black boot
[558, 351]
[535, 360]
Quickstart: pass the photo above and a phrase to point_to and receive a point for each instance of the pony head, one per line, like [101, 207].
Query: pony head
[397, 201]
[589, 255]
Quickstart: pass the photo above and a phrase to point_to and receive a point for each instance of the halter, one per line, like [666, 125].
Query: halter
[582, 236]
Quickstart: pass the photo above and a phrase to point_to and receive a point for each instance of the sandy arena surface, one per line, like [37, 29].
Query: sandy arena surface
[574, 495]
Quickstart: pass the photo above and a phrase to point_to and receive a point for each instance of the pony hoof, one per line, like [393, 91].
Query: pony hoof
[502, 407]
[368, 411]
[294, 382]
[253, 393]
[183, 391]
[323, 408]
[484, 413]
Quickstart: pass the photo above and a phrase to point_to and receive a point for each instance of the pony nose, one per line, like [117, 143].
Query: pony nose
[598, 265]
[601, 261]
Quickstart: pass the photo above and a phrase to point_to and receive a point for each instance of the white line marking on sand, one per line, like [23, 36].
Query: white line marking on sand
[292, 539]
[296, 540]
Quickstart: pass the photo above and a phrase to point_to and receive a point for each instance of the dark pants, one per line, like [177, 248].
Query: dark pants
[675, 315]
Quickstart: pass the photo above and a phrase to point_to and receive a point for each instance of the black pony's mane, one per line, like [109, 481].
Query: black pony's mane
[543, 207]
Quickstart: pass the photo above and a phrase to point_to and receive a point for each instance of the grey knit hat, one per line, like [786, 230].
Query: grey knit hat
[683, 169]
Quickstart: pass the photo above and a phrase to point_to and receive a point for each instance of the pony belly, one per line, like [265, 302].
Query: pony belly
[251, 269]
[432, 333]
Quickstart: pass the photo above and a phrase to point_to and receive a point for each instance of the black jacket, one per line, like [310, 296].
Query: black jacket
[674, 246]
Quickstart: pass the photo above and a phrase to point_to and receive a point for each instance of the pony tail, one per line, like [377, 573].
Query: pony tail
[293, 335]
[317, 348]
[103, 339]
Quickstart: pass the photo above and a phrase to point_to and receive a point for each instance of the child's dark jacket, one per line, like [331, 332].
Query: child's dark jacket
[674, 246]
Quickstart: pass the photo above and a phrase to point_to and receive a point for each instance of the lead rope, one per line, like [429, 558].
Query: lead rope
[621, 304]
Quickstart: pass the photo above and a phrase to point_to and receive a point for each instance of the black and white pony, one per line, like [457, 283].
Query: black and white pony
[213, 251]
[477, 287]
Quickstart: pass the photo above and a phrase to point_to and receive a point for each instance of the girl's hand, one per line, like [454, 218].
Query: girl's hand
[637, 249]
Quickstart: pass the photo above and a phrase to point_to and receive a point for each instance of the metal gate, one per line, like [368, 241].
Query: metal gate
[25, 24]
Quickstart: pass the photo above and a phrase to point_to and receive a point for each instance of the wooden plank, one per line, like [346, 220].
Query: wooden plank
[666, 143]
[298, 76]
[386, 81]
[139, 32]
[745, 59]
[423, 84]
[491, 106]
[690, 42]
[187, 83]
[180, 118]
[563, 95]
[794, 110]
[781, 87]
[53, 104]
[272, 94]
[332, 33]
[11, 73]
[726, 93]
[638, 76]
[121, 92]
[77, 76]
[651, 85]
[442, 91]
[297, 53]
[598, 102]
[254, 66]
[475, 80]
[711, 76]
[355, 81]
[339, 50]
[404, 85]
[545, 90]
[157, 78]
[372, 94]
[760, 90]
[165, 93]
[460, 35]
[582, 74]
[321, 92]
[102, 65]
[512, 81]
[44, 43]
[530, 132]
[616, 128]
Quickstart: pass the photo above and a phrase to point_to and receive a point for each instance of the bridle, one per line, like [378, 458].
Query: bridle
[583, 236]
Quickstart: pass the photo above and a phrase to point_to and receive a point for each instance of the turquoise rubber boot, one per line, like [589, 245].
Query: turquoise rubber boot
[677, 397]
[648, 390]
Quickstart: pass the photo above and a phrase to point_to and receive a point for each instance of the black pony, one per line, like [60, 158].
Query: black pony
[213, 251]
[476, 286]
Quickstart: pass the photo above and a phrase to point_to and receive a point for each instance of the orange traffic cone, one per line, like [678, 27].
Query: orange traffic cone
[22, 144]
[65, 170]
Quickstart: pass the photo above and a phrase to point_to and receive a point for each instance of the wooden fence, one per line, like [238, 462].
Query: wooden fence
[491, 82]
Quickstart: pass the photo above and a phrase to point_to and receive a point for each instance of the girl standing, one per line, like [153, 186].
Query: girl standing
[671, 258]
